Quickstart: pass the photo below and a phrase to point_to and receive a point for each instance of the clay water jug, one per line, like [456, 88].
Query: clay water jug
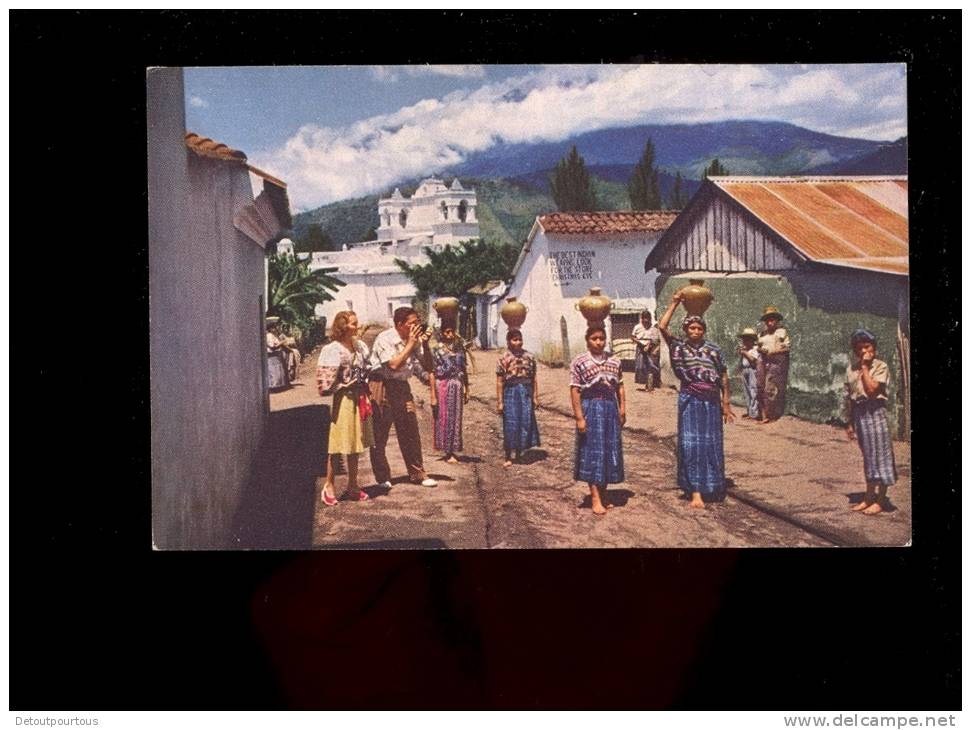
[513, 313]
[446, 307]
[594, 306]
[697, 297]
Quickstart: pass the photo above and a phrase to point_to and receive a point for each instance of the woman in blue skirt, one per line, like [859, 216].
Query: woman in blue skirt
[600, 410]
[517, 397]
[702, 407]
[866, 400]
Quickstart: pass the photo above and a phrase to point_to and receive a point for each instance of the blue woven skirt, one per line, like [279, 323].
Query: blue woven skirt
[599, 455]
[873, 435]
[519, 428]
[701, 451]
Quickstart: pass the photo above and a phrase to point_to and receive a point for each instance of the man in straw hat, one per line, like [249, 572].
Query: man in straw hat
[773, 367]
[749, 354]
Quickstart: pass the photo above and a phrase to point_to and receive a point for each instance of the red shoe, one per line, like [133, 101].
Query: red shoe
[327, 499]
[362, 496]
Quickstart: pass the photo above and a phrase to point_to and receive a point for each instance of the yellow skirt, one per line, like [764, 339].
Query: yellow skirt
[348, 433]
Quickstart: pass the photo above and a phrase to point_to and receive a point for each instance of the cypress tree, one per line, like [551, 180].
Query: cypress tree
[715, 169]
[571, 185]
[678, 198]
[643, 189]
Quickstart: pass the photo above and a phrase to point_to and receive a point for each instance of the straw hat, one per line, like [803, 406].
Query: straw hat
[270, 321]
[771, 312]
[748, 332]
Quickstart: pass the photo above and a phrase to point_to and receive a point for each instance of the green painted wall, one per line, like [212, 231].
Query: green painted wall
[821, 310]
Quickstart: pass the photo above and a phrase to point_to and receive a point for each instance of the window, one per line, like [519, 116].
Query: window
[444, 211]
[390, 310]
[403, 218]
[463, 210]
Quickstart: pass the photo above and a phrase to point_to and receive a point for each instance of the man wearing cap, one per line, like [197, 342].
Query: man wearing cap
[773, 367]
[397, 353]
[749, 354]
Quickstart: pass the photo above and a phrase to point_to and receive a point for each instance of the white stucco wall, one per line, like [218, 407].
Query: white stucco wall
[369, 296]
[208, 399]
[613, 263]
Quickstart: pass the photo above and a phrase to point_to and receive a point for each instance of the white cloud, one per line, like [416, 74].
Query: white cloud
[394, 73]
[324, 164]
[198, 102]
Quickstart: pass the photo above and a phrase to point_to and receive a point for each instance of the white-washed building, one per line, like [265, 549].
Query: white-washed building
[436, 216]
[568, 253]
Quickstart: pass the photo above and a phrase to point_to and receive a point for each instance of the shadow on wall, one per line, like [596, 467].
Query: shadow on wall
[277, 505]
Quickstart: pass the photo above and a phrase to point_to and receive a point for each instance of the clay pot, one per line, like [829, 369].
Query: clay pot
[697, 297]
[446, 307]
[594, 306]
[513, 313]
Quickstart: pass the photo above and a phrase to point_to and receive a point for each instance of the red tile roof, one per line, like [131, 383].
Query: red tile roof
[210, 148]
[608, 221]
[860, 222]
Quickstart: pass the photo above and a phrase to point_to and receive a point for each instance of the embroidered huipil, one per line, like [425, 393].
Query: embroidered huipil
[338, 366]
[449, 364]
[595, 377]
[516, 367]
[698, 368]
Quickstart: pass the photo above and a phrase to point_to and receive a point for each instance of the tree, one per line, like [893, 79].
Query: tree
[371, 235]
[456, 269]
[715, 169]
[679, 198]
[571, 185]
[314, 239]
[295, 290]
[643, 187]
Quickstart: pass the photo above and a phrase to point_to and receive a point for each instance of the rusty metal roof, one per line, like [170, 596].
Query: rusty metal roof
[211, 148]
[860, 222]
[612, 221]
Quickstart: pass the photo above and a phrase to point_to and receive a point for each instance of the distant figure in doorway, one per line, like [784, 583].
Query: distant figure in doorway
[599, 407]
[517, 396]
[749, 354]
[703, 405]
[773, 367]
[342, 370]
[647, 361]
[866, 399]
[395, 356]
[449, 382]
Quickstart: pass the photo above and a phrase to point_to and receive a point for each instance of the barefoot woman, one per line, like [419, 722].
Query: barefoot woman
[449, 383]
[597, 395]
[866, 396]
[702, 406]
[517, 397]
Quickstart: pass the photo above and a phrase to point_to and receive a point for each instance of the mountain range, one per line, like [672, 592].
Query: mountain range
[512, 181]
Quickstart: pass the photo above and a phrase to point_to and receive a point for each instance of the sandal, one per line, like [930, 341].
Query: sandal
[327, 499]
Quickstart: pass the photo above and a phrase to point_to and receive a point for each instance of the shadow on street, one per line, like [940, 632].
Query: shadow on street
[277, 505]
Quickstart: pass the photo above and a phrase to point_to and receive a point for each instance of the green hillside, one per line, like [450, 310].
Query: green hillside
[506, 210]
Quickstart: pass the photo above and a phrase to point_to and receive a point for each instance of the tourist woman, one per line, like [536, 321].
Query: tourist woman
[702, 407]
[773, 367]
[342, 369]
[866, 401]
[600, 410]
[449, 383]
[517, 396]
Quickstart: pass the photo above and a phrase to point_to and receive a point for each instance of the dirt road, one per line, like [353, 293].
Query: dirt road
[791, 484]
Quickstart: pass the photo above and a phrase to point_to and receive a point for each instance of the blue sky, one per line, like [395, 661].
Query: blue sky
[337, 132]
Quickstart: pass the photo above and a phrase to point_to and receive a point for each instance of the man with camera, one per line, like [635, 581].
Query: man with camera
[396, 354]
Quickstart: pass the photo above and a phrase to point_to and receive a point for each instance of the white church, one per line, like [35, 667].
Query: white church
[436, 216]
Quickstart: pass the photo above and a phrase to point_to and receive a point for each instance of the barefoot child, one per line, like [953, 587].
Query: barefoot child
[517, 397]
[449, 383]
[748, 351]
[866, 400]
[599, 407]
[702, 407]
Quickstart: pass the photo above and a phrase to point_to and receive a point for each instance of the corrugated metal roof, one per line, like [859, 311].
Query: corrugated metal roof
[613, 221]
[845, 221]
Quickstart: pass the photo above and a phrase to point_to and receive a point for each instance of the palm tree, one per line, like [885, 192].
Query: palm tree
[294, 291]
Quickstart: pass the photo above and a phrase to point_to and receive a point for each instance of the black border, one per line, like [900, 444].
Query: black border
[99, 621]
